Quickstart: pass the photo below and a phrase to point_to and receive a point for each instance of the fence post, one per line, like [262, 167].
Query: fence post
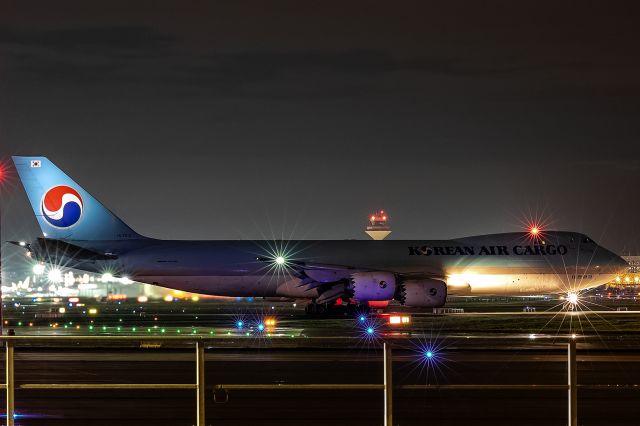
[10, 384]
[573, 385]
[200, 383]
[388, 386]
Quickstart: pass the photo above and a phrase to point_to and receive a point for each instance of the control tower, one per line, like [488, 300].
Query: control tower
[378, 227]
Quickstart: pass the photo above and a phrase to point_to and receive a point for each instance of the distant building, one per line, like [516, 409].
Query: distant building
[630, 279]
[634, 263]
[378, 227]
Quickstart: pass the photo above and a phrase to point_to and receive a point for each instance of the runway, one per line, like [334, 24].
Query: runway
[502, 346]
[313, 407]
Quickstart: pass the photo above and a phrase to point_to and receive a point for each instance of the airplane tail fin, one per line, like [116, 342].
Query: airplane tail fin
[64, 210]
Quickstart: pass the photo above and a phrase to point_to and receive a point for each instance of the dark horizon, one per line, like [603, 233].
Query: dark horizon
[247, 120]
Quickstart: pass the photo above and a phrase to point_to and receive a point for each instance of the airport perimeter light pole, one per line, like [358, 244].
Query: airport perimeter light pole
[3, 176]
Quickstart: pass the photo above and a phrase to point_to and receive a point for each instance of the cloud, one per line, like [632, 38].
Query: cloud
[146, 57]
[82, 38]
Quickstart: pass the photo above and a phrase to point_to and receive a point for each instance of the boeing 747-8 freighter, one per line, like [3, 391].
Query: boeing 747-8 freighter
[79, 232]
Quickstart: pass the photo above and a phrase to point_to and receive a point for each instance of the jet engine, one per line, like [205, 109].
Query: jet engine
[426, 293]
[367, 286]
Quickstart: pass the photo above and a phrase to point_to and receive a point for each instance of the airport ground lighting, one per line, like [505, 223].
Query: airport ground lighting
[38, 268]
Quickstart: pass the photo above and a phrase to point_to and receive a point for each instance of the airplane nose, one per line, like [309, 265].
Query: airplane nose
[613, 264]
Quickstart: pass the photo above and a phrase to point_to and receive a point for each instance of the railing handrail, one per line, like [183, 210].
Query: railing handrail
[559, 343]
[199, 385]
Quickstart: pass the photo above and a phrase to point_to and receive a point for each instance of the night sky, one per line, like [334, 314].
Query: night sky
[252, 119]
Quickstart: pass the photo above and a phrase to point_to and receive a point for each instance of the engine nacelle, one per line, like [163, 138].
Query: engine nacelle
[423, 293]
[368, 286]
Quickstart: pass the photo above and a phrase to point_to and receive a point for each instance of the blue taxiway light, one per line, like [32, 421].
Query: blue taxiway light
[261, 327]
[362, 318]
[19, 416]
[239, 324]
[370, 330]
[428, 354]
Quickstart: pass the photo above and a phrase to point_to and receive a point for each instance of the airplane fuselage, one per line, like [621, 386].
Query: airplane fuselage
[500, 264]
[80, 232]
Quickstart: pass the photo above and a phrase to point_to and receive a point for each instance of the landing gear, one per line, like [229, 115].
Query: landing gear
[333, 310]
[315, 309]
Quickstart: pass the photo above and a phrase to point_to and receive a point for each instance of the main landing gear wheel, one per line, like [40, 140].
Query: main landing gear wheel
[315, 309]
[329, 309]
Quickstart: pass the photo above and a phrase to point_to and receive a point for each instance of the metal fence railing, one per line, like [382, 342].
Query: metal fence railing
[199, 383]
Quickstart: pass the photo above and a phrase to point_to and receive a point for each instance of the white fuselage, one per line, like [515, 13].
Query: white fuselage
[499, 264]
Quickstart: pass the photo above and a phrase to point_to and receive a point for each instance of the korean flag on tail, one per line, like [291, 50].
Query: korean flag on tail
[36, 164]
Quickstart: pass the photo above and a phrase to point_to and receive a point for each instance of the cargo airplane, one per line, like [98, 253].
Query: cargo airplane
[79, 232]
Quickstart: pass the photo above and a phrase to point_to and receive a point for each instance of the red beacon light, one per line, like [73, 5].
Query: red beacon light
[378, 218]
[378, 227]
[535, 231]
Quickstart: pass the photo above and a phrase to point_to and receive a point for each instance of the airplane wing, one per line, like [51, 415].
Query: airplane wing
[334, 281]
